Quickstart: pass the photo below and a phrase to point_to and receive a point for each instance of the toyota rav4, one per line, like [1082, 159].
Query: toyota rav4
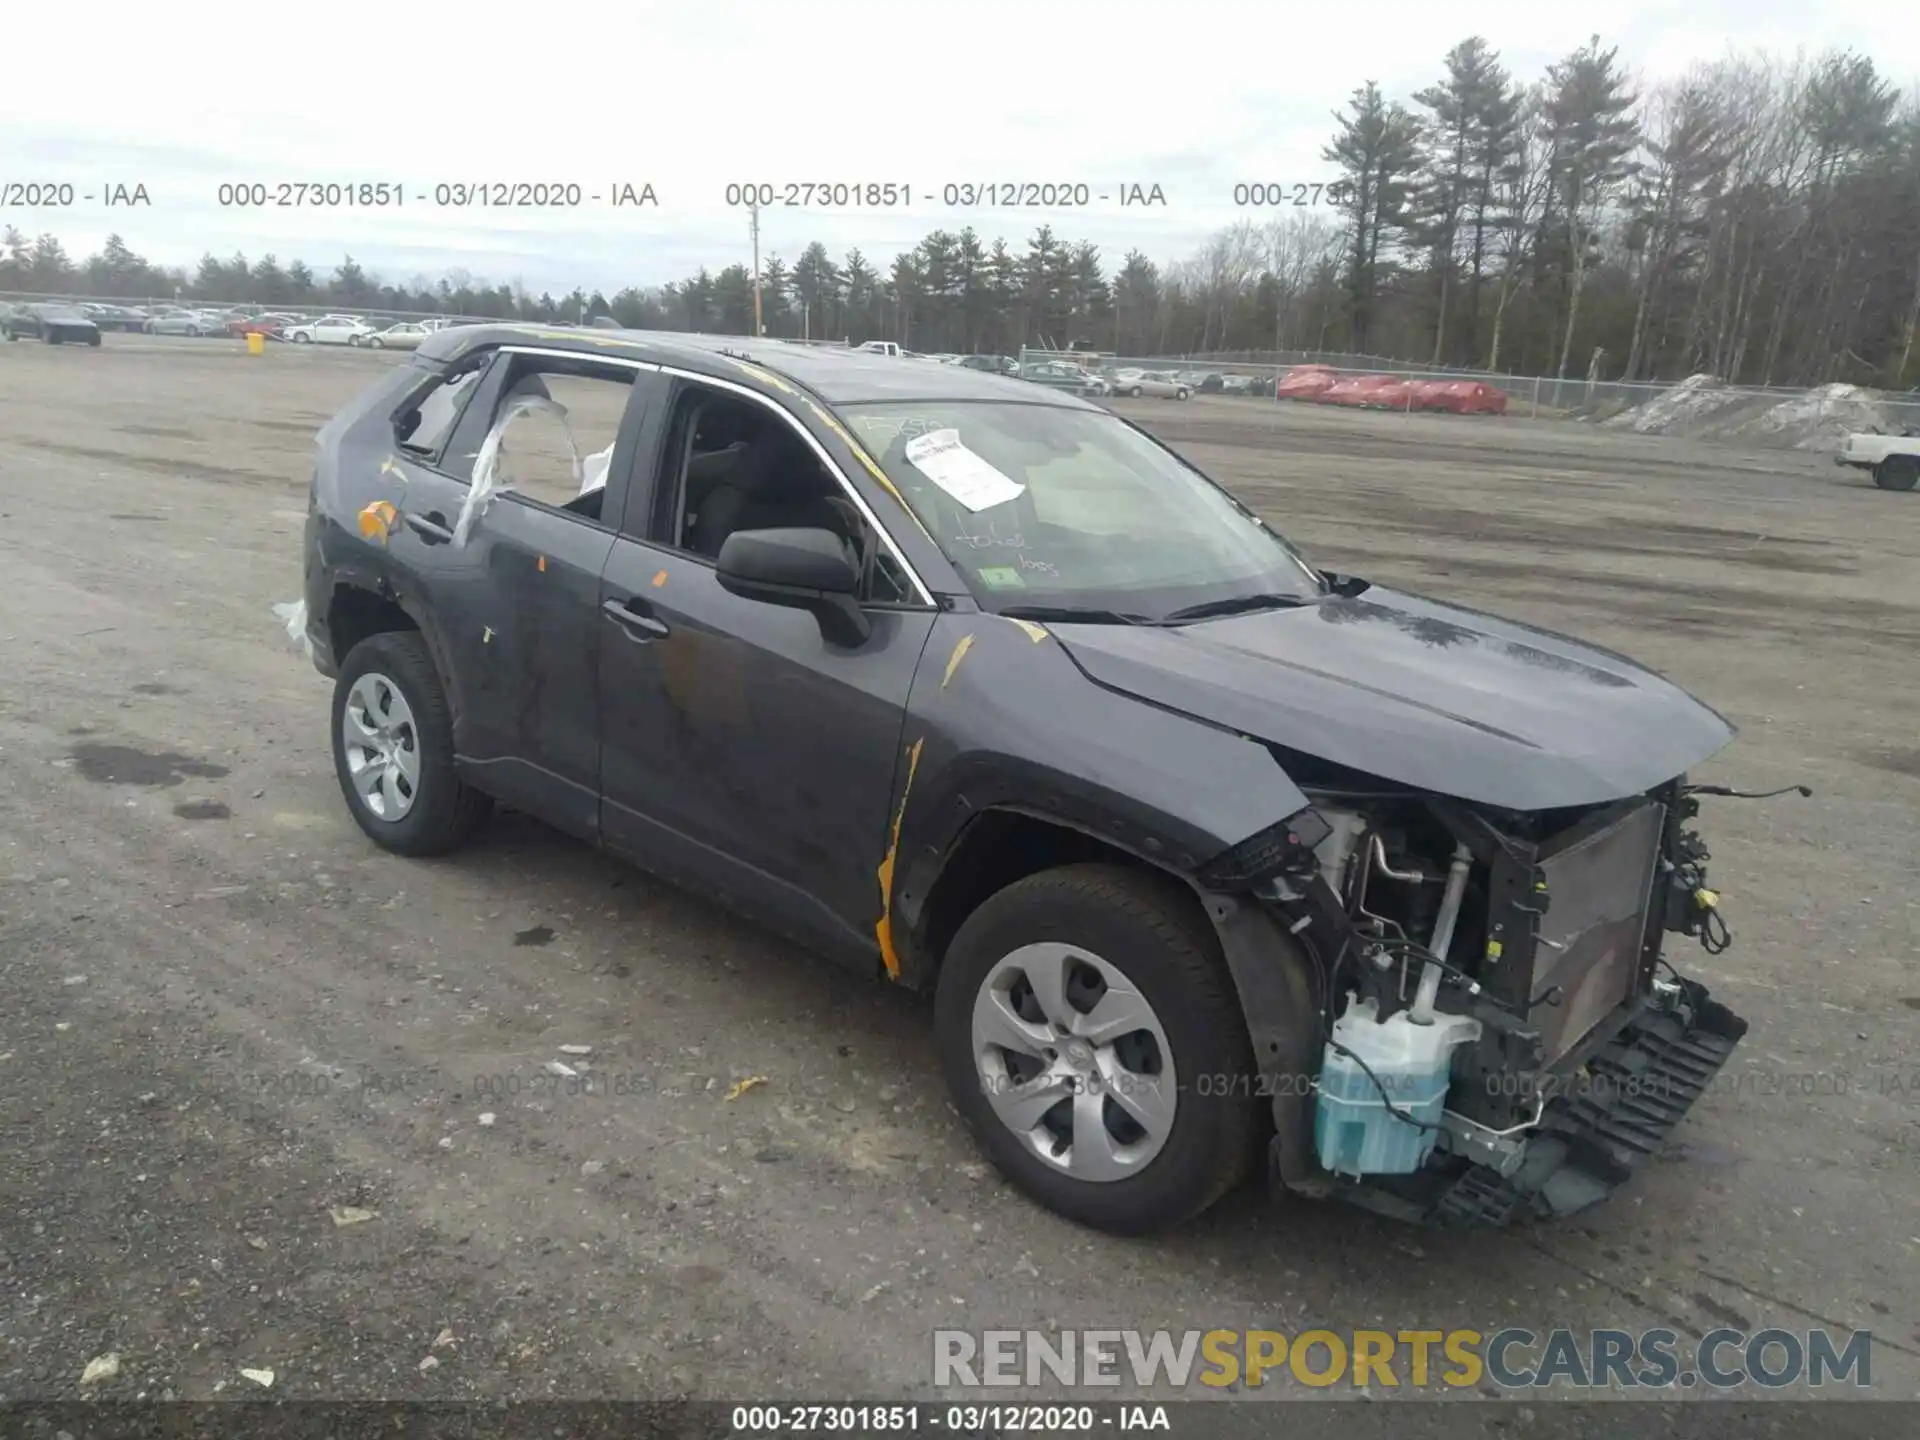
[1211, 860]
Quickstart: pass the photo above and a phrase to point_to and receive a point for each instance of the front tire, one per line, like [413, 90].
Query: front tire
[1897, 472]
[1183, 395]
[302, 339]
[377, 343]
[1092, 1041]
[393, 749]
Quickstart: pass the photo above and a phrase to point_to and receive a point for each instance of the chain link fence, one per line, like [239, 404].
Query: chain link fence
[1793, 417]
[1787, 417]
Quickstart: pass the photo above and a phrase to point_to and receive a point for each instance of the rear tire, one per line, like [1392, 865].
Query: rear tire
[442, 812]
[1141, 931]
[1897, 472]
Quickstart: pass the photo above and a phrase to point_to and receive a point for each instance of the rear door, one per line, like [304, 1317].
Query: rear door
[515, 604]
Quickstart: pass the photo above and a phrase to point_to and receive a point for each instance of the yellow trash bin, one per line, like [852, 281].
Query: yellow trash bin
[256, 343]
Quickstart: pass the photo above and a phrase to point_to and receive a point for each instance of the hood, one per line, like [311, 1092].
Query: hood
[1431, 696]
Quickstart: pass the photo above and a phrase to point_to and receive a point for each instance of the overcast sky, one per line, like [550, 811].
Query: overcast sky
[1192, 97]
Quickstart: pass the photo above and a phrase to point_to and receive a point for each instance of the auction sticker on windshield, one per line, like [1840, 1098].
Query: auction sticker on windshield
[958, 471]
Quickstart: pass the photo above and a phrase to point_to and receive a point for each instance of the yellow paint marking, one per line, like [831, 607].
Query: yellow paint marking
[883, 928]
[953, 660]
[1035, 633]
[660, 579]
[741, 1087]
[764, 376]
[378, 520]
[574, 336]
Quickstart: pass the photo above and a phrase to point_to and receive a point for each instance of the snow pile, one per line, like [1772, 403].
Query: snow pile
[1704, 407]
[1681, 410]
[1820, 419]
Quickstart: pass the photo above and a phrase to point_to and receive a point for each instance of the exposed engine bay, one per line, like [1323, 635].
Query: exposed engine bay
[1500, 1031]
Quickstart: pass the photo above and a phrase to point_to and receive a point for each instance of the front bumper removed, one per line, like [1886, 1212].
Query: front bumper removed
[1590, 1141]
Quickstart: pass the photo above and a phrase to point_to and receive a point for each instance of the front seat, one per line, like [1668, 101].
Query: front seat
[767, 486]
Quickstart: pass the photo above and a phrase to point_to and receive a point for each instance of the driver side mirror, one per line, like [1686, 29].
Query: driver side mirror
[804, 569]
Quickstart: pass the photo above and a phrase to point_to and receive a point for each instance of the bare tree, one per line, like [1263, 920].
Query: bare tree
[1520, 196]
[1591, 132]
[1681, 178]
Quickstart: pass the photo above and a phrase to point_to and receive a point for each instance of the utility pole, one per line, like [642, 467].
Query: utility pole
[759, 327]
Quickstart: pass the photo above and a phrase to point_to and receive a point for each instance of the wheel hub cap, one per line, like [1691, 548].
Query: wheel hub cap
[382, 746]
[1074, 1061]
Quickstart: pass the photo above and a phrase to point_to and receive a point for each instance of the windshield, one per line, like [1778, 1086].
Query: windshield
[1045, 507]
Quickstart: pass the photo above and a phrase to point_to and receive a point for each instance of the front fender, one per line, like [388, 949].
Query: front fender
[999, 718]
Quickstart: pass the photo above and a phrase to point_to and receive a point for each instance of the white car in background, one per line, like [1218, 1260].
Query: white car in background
[1160, 384]
[331, 330]
[405, 336]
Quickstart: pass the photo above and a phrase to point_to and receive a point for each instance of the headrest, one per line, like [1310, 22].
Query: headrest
[531, 384]
[712, 466]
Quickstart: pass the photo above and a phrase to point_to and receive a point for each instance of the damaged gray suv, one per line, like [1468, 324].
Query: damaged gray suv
[1212, 861]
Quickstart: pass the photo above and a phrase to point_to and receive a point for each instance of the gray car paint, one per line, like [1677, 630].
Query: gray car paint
[1421, 693]
[1150, 739]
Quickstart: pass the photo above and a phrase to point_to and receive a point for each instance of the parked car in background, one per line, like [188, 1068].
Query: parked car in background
[331, 330]
[879, 347]
[55, 324]
[1160, 384]
[183, 322]
[270, 326]
[1058, 375]
[408, 334]
[992, 364]
[111, 317]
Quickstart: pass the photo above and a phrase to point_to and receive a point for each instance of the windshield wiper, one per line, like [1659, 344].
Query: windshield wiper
[1235, 605]
[1073, 614]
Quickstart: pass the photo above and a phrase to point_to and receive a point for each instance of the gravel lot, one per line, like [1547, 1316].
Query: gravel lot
[226, 1016]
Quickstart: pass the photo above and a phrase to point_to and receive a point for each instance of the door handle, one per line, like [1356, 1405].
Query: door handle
[638, 625]
[431, 527]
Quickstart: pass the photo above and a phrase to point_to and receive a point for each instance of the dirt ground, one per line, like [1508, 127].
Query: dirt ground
[224, 1015]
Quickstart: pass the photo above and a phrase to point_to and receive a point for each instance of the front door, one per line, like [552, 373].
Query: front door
[743, 753]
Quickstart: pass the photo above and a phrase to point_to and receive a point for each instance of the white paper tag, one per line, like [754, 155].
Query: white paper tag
[958, 471]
